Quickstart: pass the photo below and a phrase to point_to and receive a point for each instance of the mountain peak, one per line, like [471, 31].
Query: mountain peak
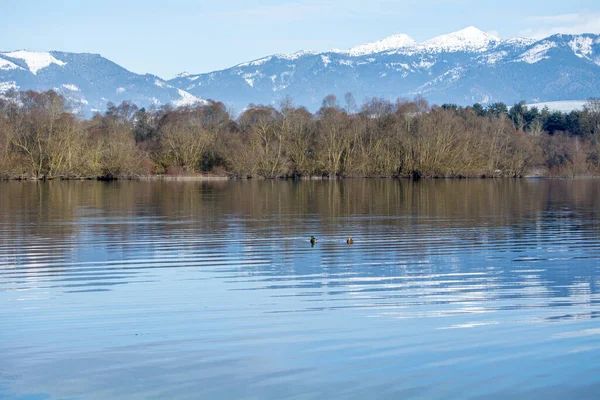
[35, 60]
[472, 31]
[184, 74]
[469, 38]
[390, 43]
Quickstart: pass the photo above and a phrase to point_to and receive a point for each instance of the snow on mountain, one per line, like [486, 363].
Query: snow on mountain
[35, 60]
[6, 64]
[582, 46]
[88, 81]
[6, 86]
[297, 55]
[391, 43]
[468, 39]
[462, 67]
[537, 53]
[187, 99]
[182, 75]
[255, 63]
[71, 87]
[519, 42]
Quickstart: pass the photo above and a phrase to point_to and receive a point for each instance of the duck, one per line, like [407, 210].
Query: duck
[349, 241]
[313, 240]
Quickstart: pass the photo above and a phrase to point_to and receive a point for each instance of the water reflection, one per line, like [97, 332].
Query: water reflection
[470, 289]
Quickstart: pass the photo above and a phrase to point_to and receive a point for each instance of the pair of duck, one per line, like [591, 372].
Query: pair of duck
[313, 240]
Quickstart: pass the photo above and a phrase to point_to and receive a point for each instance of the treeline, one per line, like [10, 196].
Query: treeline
[40, 137]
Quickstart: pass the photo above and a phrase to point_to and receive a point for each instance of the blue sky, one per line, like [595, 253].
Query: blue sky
[168, 37]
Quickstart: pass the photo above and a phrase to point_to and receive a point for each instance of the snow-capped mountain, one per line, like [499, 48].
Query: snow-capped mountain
[463, 67]
[469, 39]
[88, 81]
[391, 43]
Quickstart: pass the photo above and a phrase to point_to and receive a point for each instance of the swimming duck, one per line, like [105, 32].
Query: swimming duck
[349, 241]
[313, 240]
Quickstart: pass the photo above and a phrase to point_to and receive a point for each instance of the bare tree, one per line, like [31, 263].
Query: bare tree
[265, 128]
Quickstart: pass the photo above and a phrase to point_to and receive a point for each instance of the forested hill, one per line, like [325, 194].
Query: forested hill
[88, 81]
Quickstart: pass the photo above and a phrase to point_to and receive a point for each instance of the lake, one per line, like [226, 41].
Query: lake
[475, 289]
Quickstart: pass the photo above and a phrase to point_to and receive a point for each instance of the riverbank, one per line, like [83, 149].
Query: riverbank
[538, 172]
[205, 178]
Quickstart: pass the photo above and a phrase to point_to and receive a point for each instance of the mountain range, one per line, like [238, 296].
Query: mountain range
[463, 67]
[88, 81]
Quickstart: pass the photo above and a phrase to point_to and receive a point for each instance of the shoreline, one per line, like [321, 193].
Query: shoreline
[208, 178]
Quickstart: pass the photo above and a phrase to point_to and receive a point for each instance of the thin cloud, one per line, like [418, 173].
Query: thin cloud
[567, 23]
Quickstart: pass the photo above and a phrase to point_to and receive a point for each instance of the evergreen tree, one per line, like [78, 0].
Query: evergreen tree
[497, 109]
[479, 110]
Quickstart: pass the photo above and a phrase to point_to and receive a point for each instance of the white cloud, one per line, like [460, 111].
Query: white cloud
[577, 23]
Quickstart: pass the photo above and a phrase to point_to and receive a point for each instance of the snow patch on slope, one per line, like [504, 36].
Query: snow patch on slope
[6, 86]
[184, 74]
[285, 78]
[423, 64]
[250, 77]
[35, 61]
[521, 42]
[493, 58]
[71, 87]
[582, 46]
[400, 67]
[187, 99]
[449, 76]
[537, 53]
[255, 63]
[367, 61]
[296, 55]
[6, 65]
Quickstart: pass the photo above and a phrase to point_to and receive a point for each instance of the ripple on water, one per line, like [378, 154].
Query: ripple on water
[462, 289]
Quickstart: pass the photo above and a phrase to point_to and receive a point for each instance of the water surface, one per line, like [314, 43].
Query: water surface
[479, 289]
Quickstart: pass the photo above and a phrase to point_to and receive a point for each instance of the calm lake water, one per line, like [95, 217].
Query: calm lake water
[478, 289]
